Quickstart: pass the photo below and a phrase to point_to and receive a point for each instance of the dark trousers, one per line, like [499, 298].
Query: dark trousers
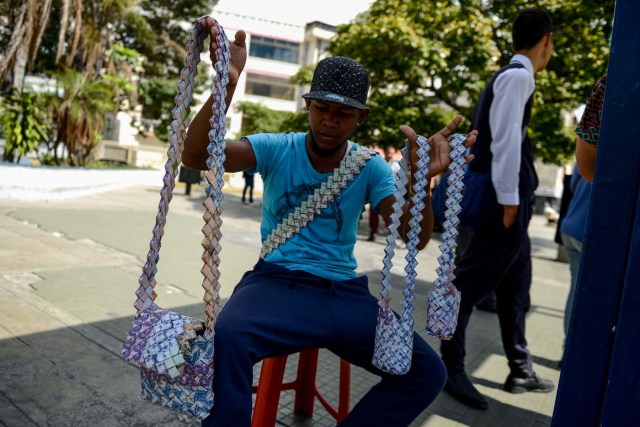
[495, 259]
[274, 311]
[248, 186]
[374, 221]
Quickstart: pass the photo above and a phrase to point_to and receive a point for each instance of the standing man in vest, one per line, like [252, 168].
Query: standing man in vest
[498, 255]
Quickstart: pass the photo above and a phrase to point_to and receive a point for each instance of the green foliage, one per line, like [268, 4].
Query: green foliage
[47, 159]
[79, 109]
[296, 122]
[105, 164]
[445, 56]
[150, 38]
[9, 11]
[161, 38]
[25, 124]
[557, 144]
[304, 75]
[156, 98]
[257, 118]
[428, 60]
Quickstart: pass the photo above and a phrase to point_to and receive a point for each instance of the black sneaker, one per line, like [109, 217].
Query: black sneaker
[461, 389]
[523, 384]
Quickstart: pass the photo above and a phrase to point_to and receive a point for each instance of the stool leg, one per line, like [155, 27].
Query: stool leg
[306, 382]
[268, 392]
[345, 390]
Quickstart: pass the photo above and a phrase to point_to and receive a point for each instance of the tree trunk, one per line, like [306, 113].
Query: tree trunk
[20, 66]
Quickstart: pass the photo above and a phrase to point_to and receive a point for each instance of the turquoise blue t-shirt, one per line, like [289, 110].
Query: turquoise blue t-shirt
[325, 246]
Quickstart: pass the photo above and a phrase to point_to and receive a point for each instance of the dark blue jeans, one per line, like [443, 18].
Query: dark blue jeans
[274, 311]
[574, 249]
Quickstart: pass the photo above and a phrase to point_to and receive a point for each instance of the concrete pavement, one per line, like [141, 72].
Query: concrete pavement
[68, 270]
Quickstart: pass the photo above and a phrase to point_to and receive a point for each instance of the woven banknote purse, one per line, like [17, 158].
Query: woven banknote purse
[444, 299]
[175, 352]
[394, 334]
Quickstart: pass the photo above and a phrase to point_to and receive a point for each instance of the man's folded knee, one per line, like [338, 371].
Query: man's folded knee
[229, 330]
[429, 370]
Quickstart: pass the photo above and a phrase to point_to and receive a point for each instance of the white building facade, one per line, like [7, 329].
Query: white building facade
[275, 53]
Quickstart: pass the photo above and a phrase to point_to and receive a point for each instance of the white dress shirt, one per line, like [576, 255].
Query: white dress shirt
[511, 91]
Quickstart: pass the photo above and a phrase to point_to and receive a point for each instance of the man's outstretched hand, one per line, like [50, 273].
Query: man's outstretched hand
[237, 50]
[439, 146]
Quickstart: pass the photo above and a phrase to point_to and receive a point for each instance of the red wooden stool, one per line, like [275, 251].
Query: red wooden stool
[271, 384]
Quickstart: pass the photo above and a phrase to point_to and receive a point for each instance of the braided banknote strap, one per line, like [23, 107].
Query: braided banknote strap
[444, 298]
[349, 167]
[145, 293]
[175, 352]
[394, 337]
[214, 176]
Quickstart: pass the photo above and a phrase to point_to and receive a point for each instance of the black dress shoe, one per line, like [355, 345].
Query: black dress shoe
[523, 384]
[461, 389]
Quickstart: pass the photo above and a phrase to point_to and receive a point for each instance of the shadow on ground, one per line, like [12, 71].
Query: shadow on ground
[76, 376]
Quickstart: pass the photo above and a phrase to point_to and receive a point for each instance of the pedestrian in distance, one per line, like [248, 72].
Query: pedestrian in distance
[248, 185]
[189, 177]
[306, 293]
[497, 256]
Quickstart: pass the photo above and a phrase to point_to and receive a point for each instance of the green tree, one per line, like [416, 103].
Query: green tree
[123, 67]
[92, 35]
[79, 109]
[26, 25]
[159, 36]
[24, 123]
[259, 118]
[132, 47]
[84, 44]
[429, 60]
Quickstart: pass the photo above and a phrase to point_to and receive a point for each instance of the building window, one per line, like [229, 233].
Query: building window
[278, 50]
[271, 87]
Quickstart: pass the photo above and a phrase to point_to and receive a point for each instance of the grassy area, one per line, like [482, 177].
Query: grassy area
[105, 164]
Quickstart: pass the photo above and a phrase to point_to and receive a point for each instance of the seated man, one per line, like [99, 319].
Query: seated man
[306, 294]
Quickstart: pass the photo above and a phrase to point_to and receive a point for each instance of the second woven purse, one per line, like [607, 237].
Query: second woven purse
[394, 334]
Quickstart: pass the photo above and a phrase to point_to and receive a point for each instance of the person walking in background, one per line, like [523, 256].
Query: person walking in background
[573, 224]
[189, 177]
[498, 253]
[374, 216]
[248, 185]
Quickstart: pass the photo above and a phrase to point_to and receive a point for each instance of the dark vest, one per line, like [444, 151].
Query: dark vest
[482, 148]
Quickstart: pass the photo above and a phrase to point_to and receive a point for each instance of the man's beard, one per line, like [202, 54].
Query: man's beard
[321, 151]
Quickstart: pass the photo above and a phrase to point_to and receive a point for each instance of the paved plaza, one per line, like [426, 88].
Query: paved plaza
[69, 269]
